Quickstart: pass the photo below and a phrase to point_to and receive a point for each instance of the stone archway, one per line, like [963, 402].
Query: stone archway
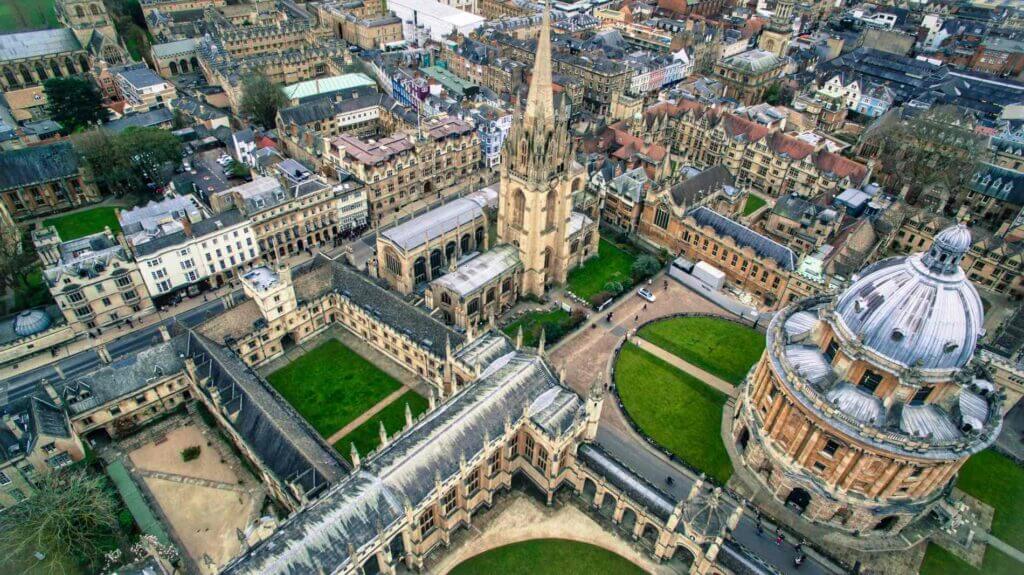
[650, 534]
[608, 504]
[743, 439]
[887, 523]
[628, 521]
[798, 499]
[589, 490]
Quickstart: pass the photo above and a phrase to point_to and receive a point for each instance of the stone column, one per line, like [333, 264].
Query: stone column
[798, 440]
[898, 481]
[810, 447]
[882, 484]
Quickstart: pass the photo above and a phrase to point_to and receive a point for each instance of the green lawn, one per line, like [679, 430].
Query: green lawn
[554, 323]
[367, 436]
[999, 482]
[675, 409]
[548, 557]
[753, 204]
[332, 385]
[718, 346]
[83, 223]
[611, 264]
[23, 15]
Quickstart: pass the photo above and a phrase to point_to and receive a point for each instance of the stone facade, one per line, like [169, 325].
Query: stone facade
[44, 179]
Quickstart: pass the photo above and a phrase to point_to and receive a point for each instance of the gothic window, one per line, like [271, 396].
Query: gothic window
[419, 270]
[449, 501]
[445, 298]
[473, 307]
[661, 218]
[464, 243]
[70, 65]
[83, 63]
[449, 251]
[427, 522]
[79, 12]
[473, 482]
[478, 235]
[40, 71]
[55, 67]
[490, 296]
[518, 208]
[552, 205]
[174, 68]
[547, 258]
[194, 62]
[12, 80]
[94, 10]
[393, 264]
[183, 66]
[435, 263]
[528, 446]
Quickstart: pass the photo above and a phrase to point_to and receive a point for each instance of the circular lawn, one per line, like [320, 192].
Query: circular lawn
[547, 557]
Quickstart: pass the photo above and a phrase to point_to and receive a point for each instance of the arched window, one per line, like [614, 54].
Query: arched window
[391, 260]
[183, 66]
[83, 63]
[435, 263]
[174, 68]
[473, 307]
[547, 258]
[94, 9]
[419, 270]
[12, 80]
[55, 67]
[445, 298]
[490, 296]
[79, 12]
[552, 205]
[70, 65]
[479, 237]
[464, 243]
[25, 74]
[518, 208]
[661, 218]
[194, 62]
[449, 251]
[41, 72]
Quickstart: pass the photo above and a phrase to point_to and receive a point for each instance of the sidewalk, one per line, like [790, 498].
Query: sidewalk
[712, 380]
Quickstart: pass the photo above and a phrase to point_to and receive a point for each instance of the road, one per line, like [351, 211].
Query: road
[25, 384]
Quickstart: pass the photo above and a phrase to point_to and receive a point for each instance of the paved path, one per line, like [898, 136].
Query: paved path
[1002, 546]
[337, 435]
[191, 480]
[712, 380]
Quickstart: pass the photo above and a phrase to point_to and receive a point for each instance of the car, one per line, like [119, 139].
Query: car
[646, 294]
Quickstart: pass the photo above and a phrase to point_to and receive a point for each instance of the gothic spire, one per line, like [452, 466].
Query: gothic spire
[540, 99]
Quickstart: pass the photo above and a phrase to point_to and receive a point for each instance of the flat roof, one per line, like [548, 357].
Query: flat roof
[327, 85]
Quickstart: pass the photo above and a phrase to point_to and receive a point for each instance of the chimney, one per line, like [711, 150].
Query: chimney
[51, 392]
[186, 225]
[13, 426]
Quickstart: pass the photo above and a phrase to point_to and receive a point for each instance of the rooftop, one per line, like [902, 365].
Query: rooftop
[441, 220]
[25, 45]
[480, 270]
[745, 237]
[36, 165]
[330, 84]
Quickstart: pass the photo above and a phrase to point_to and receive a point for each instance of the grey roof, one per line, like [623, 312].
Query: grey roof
[322, 109]
[318, 538]
[912, 315]
[626, 480]
[274, 431]
[441, 220]
[700, 186]
[125, 376]
[154, 117]
[141, 77]
[577, 221]
[858, 403]
[37, 164]
[481, 270]
[174, 48]
[1000, 183]
[48, 419]
[483, 350]
[199, 229]
[745, 237]
[25, 45]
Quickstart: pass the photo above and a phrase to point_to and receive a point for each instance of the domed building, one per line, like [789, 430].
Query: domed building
[864, 405]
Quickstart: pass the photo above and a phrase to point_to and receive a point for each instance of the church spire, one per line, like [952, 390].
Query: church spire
[540, 98]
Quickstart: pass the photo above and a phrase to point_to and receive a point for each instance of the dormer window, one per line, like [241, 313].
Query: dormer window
[897, 335]
[950, 347]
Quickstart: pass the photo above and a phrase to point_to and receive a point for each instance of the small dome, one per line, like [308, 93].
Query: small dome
[31, 322]
[918, 311]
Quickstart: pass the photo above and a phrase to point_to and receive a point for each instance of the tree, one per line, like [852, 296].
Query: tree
[73, 103]
[778, 95]
[644, 267]
[937, 148]
[132, 162]
[15, 261]
[261, 99]
[72, 516]
[179, 120]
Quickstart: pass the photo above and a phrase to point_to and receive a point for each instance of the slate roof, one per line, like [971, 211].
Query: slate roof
[24, 45]
[323, 109]
[48, 419]
[745, 237]
[201, 228]
[150, 118]
[124, 376]
[37, 165]
[180, 47]
[626, 480]
[1000, 183]
[319, 537]
[483, 350]
[141, 77]
[703, 184]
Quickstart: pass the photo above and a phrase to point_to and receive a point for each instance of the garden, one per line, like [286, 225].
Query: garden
[79, 224]
[331, 385]
[617, 267]
[676, 410]
[548, 557]
[753, 204]
[719, 346]
[555, 324]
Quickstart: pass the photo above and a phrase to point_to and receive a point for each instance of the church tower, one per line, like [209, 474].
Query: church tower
[536, 190]
[775, 38]
[84, 16]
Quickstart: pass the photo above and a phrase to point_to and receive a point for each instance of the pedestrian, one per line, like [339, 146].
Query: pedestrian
[760, 529]
[636, 318]
[645, 307]
[778, 540]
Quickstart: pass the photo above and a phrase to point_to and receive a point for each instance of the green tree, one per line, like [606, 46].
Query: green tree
[152, 152]
[73, 103]
[71, 517]
[132, 161]
[179, 120]
[16, 260]
[261, 99]
[644, 267]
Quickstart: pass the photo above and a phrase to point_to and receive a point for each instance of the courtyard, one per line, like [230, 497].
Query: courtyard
[721, 347]
[612, 263]
[204, 501]
[366, 435]
[331, 385]
[675, 409]
[84, 222]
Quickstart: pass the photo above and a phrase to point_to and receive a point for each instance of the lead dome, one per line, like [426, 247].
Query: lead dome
[918, 311]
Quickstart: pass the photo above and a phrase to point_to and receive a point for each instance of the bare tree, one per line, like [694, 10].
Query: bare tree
[932, 154]
[69, 518]
[16, 260]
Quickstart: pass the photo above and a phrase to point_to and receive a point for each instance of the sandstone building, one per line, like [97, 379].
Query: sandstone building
[865, 404]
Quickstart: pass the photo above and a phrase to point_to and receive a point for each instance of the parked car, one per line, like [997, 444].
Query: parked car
[646, 294]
